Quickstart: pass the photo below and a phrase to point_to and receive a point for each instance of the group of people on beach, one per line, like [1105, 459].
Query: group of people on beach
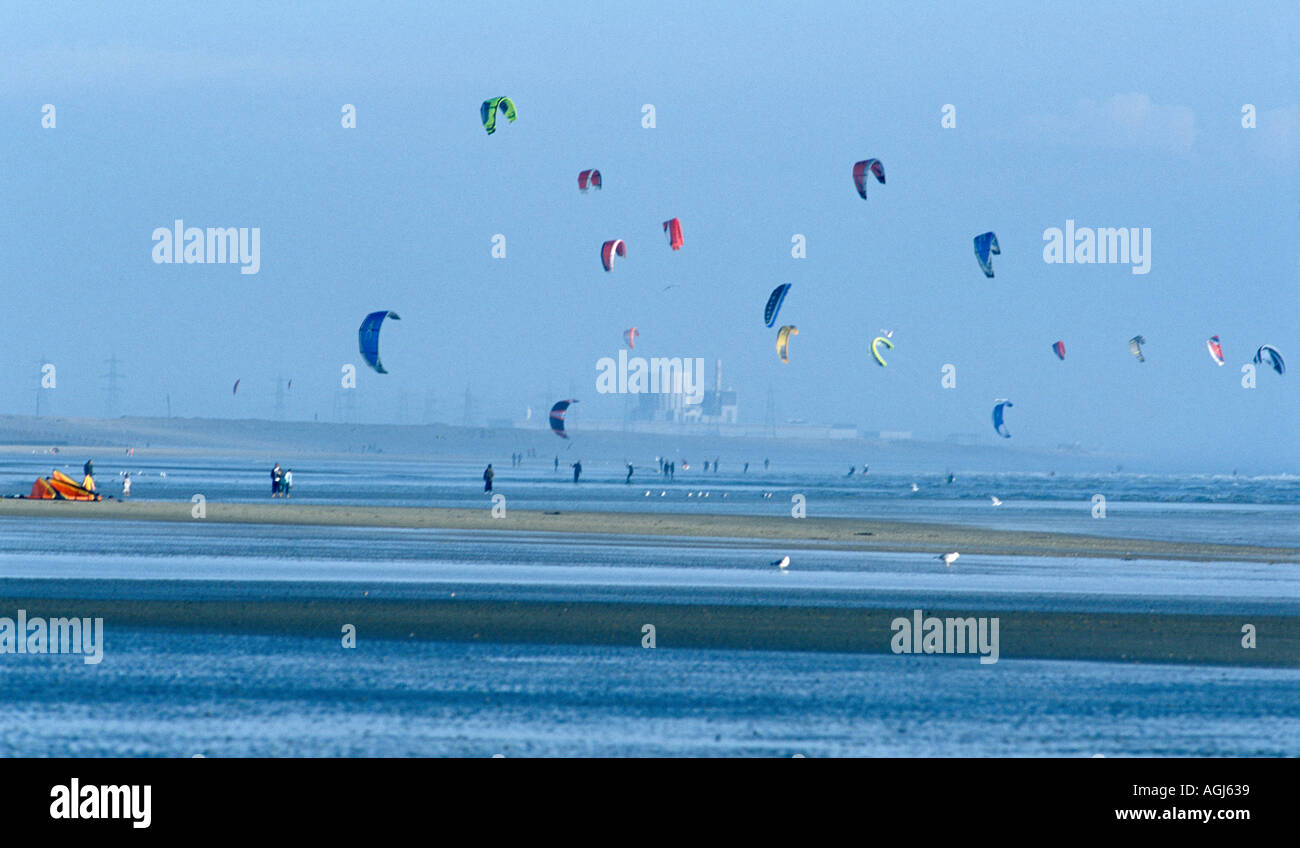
[667, 468]
[281, 482]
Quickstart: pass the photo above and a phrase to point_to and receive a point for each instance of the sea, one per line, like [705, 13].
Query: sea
[183, 692]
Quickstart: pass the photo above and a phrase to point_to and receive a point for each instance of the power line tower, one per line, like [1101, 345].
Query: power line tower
[112, 391]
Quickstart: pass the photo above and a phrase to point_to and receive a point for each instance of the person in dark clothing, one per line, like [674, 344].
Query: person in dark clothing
[488, 474]
[557, 462]
[629, 474]
[577, 470]
[276, 477]
[89, 468]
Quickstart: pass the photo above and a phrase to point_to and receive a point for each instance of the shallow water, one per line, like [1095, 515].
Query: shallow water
[180, 694]
[504, 566]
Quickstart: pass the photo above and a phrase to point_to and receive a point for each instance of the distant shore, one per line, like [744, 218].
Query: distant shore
[837, 533]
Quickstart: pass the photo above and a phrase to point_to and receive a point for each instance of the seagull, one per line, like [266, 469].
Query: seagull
[915, 488]
[949, 559]
[783, 562]
[996, 502]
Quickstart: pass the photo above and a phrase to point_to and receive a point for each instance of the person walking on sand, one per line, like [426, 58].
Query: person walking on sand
[126, 485]
[488, 474]
[577, 470]
[286, 482]
[276, 477]
[89, 468]
[629, 474]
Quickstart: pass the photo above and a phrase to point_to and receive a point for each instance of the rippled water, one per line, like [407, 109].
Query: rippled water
[180, 694]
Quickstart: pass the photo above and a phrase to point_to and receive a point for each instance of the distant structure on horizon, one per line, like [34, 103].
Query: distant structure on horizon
[718, 406]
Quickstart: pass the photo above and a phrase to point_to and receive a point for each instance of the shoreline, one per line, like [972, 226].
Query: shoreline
[850, 534]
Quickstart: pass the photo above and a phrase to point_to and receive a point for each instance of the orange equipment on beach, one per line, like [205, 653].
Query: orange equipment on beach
[59, 486]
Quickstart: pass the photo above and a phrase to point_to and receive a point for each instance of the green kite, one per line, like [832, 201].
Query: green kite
[488, 111]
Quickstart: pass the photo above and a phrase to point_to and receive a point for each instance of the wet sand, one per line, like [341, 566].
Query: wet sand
[1123, 637]
[836, 533]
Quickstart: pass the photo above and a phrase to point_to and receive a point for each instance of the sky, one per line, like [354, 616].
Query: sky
[230, 115]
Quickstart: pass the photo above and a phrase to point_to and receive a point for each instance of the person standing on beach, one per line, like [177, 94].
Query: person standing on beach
[276, 476]
[286, 483]
[557, 462]
[577, 470]
[126, 485]
[89, 468]
[629, 474]
[488, 474]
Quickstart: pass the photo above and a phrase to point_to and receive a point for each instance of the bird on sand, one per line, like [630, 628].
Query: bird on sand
[949, 559]
[783, 562]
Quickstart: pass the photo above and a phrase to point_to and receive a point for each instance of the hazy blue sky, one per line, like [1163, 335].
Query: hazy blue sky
[1111, 114]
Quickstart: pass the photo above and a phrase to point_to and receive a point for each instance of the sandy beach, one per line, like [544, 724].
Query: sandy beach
[838, 533]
